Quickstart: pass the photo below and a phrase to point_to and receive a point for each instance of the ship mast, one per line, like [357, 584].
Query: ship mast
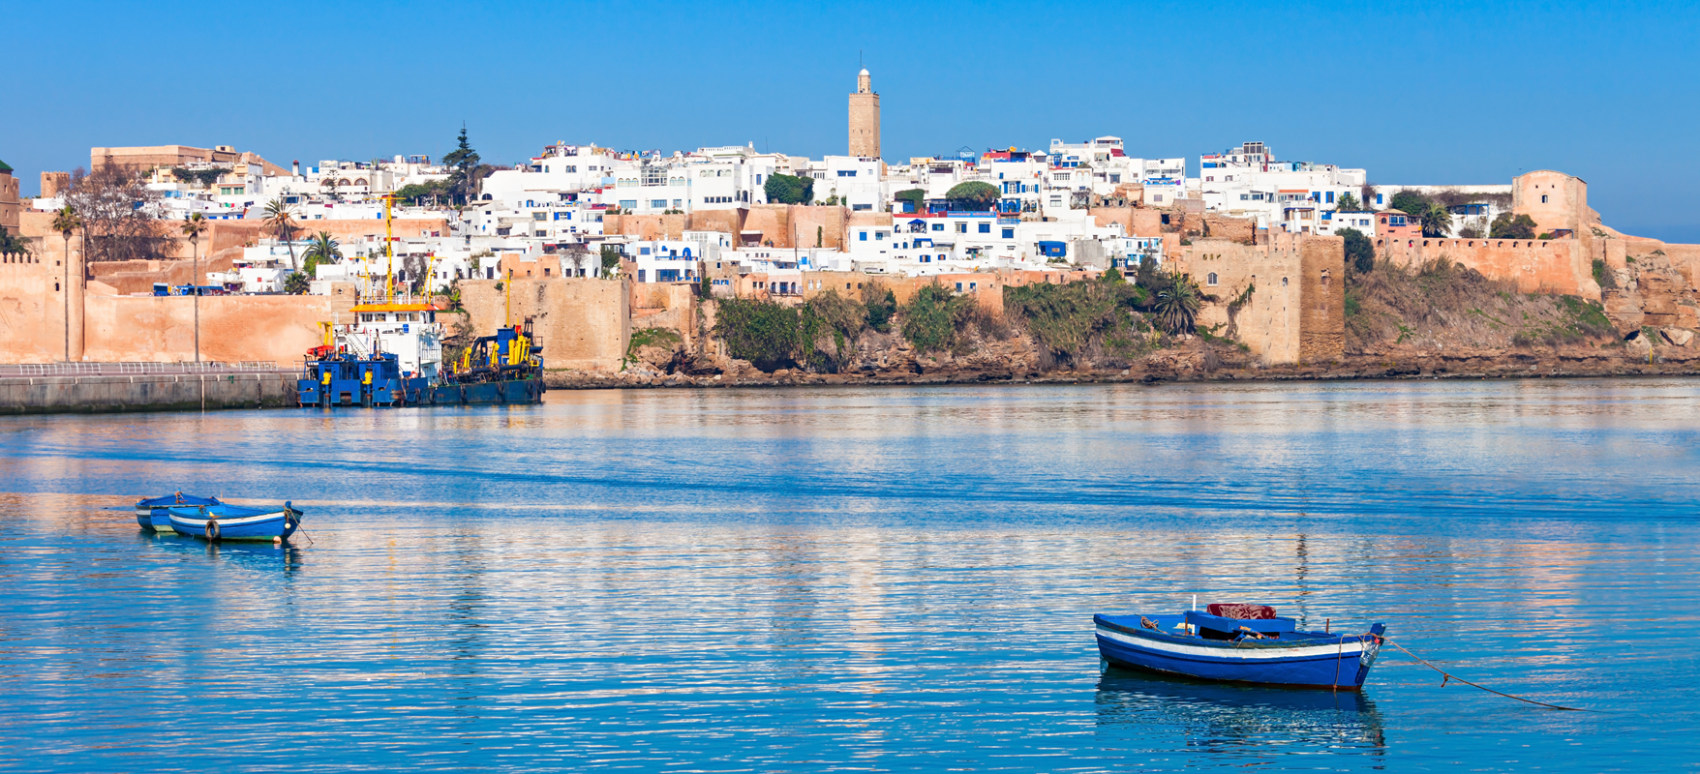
[389, 252]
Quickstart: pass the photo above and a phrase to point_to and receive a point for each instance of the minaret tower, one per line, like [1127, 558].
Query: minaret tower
[865, 118]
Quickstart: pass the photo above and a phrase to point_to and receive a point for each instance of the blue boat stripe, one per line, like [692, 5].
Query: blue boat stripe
[1174, 656]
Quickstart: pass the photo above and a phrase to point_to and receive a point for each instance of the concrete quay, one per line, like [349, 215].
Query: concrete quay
[79, 388]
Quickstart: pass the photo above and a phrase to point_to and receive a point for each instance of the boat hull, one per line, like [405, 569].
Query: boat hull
[417, 393]
[488, 393]
[155, 512]
[1341, 662]
[156, 519]
[232, 523]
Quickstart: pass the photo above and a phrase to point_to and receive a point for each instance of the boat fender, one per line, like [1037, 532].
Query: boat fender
[212, 529]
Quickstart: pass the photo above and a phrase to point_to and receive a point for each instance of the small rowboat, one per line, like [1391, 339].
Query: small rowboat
[234, 522]
[153, 513]
[1241, 644]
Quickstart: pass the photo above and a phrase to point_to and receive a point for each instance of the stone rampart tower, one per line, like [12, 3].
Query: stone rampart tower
[865, 118]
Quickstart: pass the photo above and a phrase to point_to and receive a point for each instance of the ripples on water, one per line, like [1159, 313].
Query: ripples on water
[891, 579]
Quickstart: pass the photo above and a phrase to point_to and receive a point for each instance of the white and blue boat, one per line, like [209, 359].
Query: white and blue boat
[1240, 644]
[234, 522]
[154, 512]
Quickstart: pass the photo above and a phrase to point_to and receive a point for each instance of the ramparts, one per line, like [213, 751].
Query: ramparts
[98, 392]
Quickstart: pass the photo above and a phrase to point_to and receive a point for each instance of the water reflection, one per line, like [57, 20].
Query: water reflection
[1245, 720]
[285, 558]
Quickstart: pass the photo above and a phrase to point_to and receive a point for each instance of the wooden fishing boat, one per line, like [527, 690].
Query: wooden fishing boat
[234, 522]
[1241, 644]
[154, 513]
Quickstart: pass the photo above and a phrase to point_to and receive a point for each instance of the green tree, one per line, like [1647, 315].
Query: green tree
[320, 249]
[1508, 226]
[1177, 306]
[193, 226]
[282, 223]
[1410, 202]
[972, 196]
[610, 260]
[881, 304]
[789, 189]
[766, 333]
[1437, 220]
[65, 221]
[296, 284]
[915, 196]
[929, 319]
[414, 193]
[1360, 251]
[12, 244]
[1348, 203]
[1113, 276]
[463, 161]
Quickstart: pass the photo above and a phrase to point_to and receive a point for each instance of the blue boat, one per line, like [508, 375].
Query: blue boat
[1240, 644]
[152, 513]
[234, 522]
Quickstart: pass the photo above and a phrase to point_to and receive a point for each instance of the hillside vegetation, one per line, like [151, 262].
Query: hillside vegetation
[1441, 306]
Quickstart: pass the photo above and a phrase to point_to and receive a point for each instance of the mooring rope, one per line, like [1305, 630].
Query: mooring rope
[1449, 676]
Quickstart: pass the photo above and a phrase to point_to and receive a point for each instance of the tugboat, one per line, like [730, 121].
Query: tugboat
[503, 368]
[391, 355]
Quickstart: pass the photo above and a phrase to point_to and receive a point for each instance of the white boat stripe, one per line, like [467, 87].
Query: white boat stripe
[228, 522]
[1246, 654]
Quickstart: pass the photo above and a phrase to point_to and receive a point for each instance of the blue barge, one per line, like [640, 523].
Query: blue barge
[391, 356]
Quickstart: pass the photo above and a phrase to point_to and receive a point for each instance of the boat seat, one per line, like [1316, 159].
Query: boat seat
[1244, 612]
[1223, 626]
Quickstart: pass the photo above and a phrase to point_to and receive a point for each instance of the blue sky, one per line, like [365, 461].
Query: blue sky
[1430, 92]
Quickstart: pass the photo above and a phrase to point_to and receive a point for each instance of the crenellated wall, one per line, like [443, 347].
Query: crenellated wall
[1563, 266]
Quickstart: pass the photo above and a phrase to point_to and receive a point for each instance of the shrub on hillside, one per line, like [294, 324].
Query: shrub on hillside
[1360, 252]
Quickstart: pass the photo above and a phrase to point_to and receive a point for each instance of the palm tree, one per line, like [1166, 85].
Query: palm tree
[66, 221]
[1437, 220]
[193, 227]
[1177, 305]
[282, 223]
[321, 249]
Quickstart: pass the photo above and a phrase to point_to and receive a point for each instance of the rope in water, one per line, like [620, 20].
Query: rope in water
[1449, 676]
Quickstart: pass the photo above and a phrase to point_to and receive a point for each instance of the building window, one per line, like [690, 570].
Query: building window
[1543, 198]
[862, 236]
[962, 228]
[985, 228]
[938, 226]
[1283, 282]
[1009, 233]
[1210, 279]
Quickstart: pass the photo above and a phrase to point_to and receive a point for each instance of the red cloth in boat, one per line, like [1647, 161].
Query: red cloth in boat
[1243, 612]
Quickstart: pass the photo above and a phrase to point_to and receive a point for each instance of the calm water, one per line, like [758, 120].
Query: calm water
[858, 580]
